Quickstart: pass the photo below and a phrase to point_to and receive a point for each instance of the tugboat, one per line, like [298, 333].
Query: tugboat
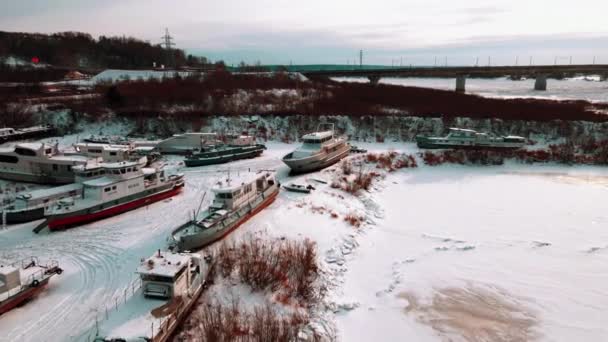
[460, 138]
[125, 186]
[239, 147]
[21, 281]
[235, 202]
[318, 151]
[38, 163]
[12, 134]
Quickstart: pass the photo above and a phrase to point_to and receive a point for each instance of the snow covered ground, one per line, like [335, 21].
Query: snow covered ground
[521, 251]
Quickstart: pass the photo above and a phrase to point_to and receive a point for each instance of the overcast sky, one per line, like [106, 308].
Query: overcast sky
[332, 31]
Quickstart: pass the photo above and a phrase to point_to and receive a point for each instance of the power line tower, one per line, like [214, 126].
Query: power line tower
[168, 44]
[360, 59]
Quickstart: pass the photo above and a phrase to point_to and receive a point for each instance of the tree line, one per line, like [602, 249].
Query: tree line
[81, 50]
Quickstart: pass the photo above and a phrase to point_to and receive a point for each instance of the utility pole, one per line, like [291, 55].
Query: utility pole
[360, 59]
[530, 60]
[435, 65]
[489, 61]
[446, 61]
[593, 60]
[477, 62]
[168, 43]
[516, 60]
[570, 60]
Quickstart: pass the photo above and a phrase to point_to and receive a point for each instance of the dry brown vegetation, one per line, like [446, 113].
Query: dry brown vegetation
[214, 321]
[286, 268]
[591, 153]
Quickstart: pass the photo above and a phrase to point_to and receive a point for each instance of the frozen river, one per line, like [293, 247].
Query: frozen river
[530, 239]
[567, 89]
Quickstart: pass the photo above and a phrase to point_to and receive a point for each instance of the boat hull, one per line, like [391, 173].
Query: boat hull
[34, 178]
[102, 211]
[315, 163]
[426, 143]
[211, 235]
[22, 216]
[23, 297]
[39, 133]
[225, 158]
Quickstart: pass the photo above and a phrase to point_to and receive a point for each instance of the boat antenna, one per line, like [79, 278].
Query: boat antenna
[199, 205]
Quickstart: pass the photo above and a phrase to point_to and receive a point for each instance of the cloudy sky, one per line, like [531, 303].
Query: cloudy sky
[332, 31]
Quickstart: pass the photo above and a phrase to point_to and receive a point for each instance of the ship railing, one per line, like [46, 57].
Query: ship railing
[113, 304]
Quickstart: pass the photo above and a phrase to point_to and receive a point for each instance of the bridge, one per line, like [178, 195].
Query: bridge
[539, 72]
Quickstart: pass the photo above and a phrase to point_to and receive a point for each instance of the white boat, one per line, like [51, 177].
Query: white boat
[38, 163]
[168, 275]
[460, 138]
[318, 151]
[109, 153]
[235, 201]
[298, 188]
[124, 186]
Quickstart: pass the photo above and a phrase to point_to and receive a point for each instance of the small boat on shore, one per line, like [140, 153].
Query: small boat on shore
[318, 151]
[459, 138]
[235, 202]
[298, 188]
[13, 134]
[23, 280]
[124, 186]
[186, 143]
[238, 147]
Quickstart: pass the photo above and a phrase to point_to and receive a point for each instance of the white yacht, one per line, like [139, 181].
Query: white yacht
[109, 153]
[318, 151]
[38, 163]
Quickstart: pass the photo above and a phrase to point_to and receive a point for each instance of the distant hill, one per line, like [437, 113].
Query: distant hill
[81, 50]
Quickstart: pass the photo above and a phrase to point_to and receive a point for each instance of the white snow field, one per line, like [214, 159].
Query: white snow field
[446, 254]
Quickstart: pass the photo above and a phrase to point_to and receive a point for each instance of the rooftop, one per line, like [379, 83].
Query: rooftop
[318, 135]
[226, 184]
[164, 263]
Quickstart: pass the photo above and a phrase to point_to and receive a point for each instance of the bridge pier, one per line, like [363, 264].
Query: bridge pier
[540, 83]
[461, 84]
[373, 79]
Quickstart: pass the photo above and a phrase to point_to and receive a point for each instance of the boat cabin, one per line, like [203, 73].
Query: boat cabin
[119, 180]
[167, 274]
[230, 194]
[108, 153]
[4, 132]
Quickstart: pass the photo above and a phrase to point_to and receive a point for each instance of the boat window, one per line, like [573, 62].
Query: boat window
[55, 167]
[129, 169]
[123, 171]
[94, 150]
[102, 172]
[9, 159]
[69, 167]
[224, 195]
[107, 189]
[48, 151]
[114, 187]
[25, 151]
[135, 168]
[112, 153]
[115, 172]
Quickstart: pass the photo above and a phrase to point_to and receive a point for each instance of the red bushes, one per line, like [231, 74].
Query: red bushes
[354, 220]
[285, 267]
[217, 322]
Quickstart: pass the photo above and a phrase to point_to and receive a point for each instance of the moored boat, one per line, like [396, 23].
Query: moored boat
[125, 186]
[186, 143]
[39, 163]
[234, 203]
[298, 188]
[318, 151]
[241, 147]
[23, 280]
[459, 138]
[12, 134]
